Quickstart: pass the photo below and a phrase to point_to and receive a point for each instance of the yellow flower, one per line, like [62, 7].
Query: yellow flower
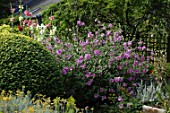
[3, 92]
[5, 98]
[92, 109]
[10, 97]
[31, 110]
[16, 111]
[70, 102]
[71, 99]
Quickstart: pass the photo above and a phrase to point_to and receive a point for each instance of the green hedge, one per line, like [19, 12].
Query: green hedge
[67, 12]
[25, 62]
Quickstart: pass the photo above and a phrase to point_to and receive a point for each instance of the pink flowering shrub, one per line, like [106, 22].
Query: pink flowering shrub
[100, 67]
[97, 67]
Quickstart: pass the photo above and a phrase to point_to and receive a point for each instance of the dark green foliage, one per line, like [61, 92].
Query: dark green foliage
[4, 21]
[167, 70]
[4, 8]
[7, 20]
[67, 13]
[139, 18]
[25, 62]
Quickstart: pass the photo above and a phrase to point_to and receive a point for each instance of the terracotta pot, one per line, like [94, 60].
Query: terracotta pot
[149, 109]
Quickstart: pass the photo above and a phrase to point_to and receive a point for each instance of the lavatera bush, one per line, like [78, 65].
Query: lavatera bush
[101, 67]
[25, 62]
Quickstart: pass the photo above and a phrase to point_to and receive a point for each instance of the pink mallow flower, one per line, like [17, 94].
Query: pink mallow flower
[120, 99]
[118, 79]
[111, 90]
[83, 66]
[101, 89]
[65, 70]
[131, 93]
[29, 23]
[89, 82]
[79, 23]
[108, 33]
[111, 80]
[88, 74]
[11, 19]
[12, 10]
[25, 22]
[121, 106]
[119, 38]
[96, 52]
[110, 25]
[48, 25]
[51, 18]
[59, 52]
[87, 56]
[103, 98]
[124, 85]
[79, 60]
[27, 13]
[129, 43]
[96, 96]
[90, 35]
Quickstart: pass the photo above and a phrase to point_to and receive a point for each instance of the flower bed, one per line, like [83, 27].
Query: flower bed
[99, 68]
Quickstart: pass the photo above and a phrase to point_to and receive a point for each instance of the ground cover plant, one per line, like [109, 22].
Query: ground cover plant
[24, 103]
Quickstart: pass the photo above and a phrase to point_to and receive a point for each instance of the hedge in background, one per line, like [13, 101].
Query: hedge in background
[25, 62]
[67, 12]
[137, 18]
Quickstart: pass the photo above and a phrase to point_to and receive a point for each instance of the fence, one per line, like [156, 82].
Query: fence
[157, 44]
[160, 45]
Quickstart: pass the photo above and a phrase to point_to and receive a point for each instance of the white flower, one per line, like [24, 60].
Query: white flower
[55, 45]
[31, 27]
[42, 31]
[102, 34]
[20, 18]
[39, 39]
[52, 32]
[54, 29]
[21, 7]
[37, 27]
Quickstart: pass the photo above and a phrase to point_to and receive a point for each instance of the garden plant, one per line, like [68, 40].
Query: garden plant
[25, 62]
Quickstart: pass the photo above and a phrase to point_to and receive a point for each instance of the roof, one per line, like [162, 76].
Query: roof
[36, 6]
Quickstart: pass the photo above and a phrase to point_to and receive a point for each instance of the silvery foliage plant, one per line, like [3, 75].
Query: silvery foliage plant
[149, 93]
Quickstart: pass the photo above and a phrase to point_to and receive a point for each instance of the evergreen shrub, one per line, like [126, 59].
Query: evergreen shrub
[25, 62]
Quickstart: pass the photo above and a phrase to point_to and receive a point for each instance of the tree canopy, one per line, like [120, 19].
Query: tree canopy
[136, 17]
[4, 8]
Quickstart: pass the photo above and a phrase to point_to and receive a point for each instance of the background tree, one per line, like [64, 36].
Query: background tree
[5, 8]
[147, 20]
